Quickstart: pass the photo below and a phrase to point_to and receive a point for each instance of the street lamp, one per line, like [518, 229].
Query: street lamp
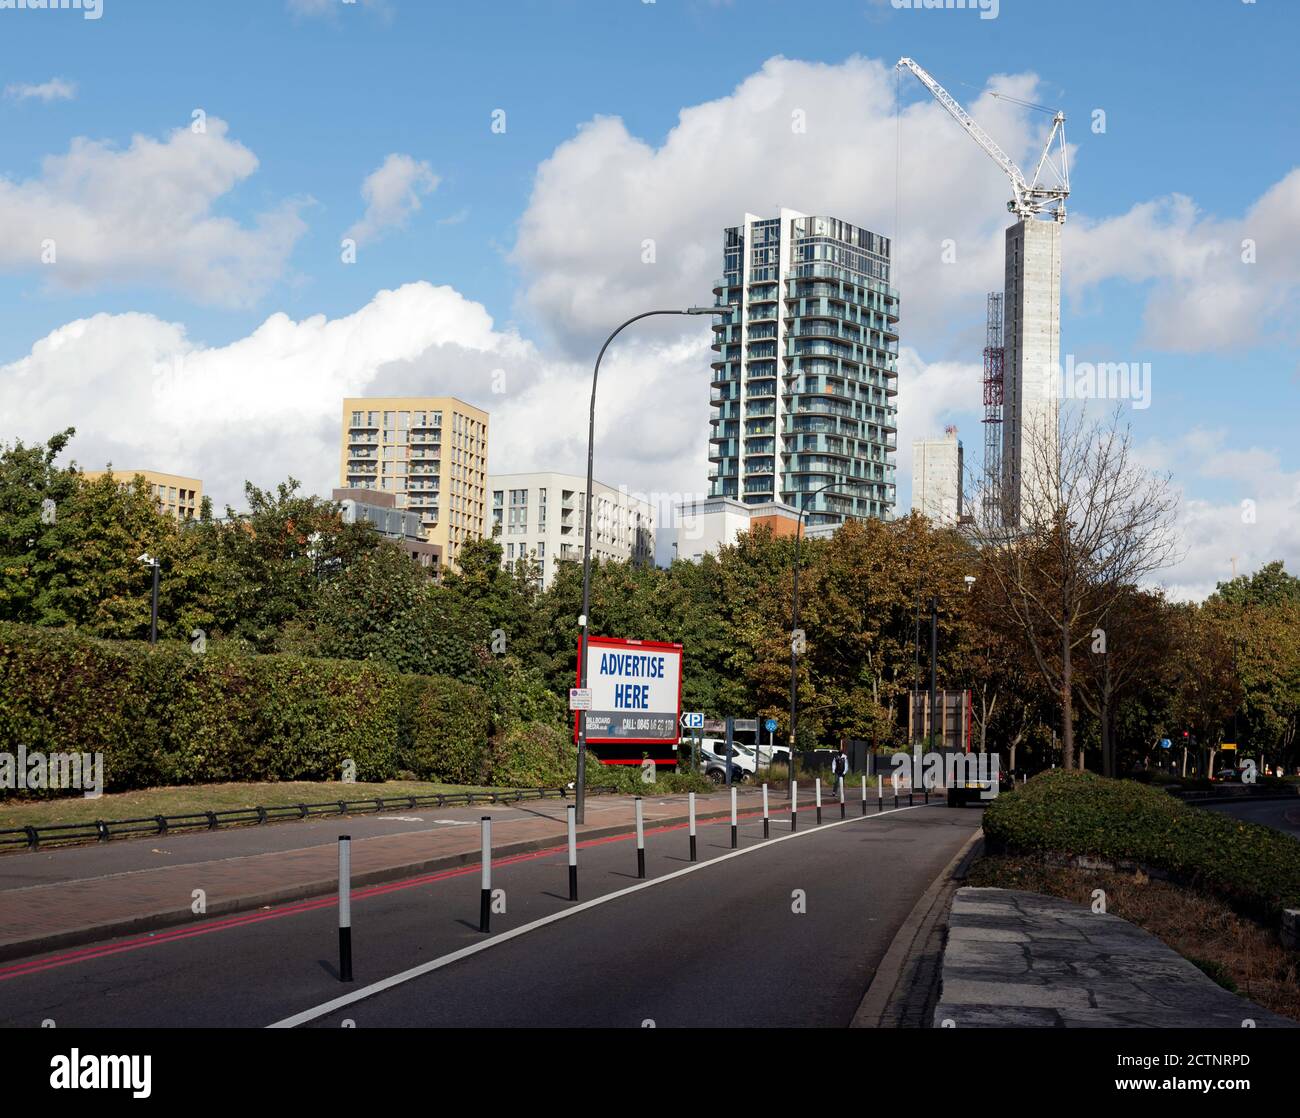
[580, 796]
[794, 635]
[149, 561]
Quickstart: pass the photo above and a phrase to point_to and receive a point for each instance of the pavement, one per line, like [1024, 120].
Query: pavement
[788, 931]
[1023, 960]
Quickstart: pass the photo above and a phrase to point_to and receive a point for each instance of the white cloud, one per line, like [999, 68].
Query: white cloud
[1255, 519]
[1218, 283]
[143, 394]
[145, 215]
[392, 193]
[605, 192]
[56, 89]
[932, 395]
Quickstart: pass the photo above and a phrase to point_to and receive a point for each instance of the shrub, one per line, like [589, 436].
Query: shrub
[448, 735]
[1254, 868]
[533, 755]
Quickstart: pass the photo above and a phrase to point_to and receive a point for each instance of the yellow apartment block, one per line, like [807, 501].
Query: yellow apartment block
[176, 495]
[430, 453]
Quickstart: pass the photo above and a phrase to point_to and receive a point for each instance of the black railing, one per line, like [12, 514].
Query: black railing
[101, 830]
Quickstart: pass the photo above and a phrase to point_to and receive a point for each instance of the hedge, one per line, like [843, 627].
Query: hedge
[168, 715]
[1254, 868]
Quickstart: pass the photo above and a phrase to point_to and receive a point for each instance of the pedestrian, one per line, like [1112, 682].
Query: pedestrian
[839, 767]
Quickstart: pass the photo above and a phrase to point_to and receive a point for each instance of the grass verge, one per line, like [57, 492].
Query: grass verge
[181, 800]
[1235, 951]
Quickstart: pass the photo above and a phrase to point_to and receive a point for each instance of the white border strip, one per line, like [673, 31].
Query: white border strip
[465, 952]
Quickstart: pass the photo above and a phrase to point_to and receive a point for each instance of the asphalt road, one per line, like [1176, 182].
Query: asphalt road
[720, 944]
[1284, 815]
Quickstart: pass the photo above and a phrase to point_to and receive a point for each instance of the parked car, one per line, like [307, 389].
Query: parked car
[713, 759]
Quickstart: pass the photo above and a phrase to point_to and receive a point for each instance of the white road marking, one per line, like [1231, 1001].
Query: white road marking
[465, 952]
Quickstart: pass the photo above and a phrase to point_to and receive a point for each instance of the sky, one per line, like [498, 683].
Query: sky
[179, 185]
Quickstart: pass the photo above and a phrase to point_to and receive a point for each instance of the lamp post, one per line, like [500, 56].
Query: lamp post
[149, 561]
[580, 796]
[794, 636]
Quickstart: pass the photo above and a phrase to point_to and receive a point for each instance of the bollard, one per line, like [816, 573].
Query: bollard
[733, 817]
[864, 794]
[794, 804]
[485, 890]
[766, 832]
[345, 908]
[818, 788]
[691, 802]
[841, 797]
[573, 852]
[880, 793]
[640, 841]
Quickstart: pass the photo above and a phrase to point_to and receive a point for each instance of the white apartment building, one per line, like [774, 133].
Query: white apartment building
[936, 478]
[539, 516]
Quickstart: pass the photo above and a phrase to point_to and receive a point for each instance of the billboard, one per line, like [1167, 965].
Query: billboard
[636, 699]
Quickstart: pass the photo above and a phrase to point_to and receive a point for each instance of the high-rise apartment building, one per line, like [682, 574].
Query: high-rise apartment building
[937, 466]
[806, 369]
[540, 516]
[177, 496]
[430, 453]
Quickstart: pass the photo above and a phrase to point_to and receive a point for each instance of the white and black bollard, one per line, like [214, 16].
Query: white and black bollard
[864, 793]
[485, 890]
[345, 908]
[841, 797]
[766, 821]
[794, 804]
[880, 793]
[690, 799]
[640, 841]
[733, 817]
[817, 785]
[573, 852]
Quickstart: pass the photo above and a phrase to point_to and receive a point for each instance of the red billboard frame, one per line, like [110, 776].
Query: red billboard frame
[631, 642]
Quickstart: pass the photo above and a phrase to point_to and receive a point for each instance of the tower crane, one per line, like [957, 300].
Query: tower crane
[1047, 191]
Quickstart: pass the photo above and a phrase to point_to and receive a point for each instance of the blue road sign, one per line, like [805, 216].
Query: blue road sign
[1165, 743]
[692, 720]
[770, 725]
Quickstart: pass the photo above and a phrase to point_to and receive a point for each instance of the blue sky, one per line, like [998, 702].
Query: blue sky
[1199, 99]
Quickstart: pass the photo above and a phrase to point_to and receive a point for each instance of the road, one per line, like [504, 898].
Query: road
[1283, 815]
[719, 943]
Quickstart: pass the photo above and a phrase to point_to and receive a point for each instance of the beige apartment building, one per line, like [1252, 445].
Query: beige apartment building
[177, 496]
[430, 453]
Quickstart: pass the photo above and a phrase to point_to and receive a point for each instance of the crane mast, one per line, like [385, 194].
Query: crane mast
[1029, 197]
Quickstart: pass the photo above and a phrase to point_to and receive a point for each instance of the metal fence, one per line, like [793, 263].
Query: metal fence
[101, 830]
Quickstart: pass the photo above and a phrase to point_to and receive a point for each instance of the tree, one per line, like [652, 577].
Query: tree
[1131, 637]
[1094, 523]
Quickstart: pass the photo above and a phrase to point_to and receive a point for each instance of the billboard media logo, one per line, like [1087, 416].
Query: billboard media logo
[89, 9]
